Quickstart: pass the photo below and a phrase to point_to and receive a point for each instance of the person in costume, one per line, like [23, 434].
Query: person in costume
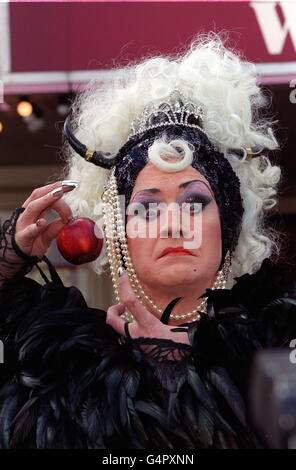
[168, 365]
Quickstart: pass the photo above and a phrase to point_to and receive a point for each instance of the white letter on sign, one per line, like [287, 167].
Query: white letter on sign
[273, 32]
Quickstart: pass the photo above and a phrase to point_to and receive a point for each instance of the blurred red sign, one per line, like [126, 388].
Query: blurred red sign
[87, 36]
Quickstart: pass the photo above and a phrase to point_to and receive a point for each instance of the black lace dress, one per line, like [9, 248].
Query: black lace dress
[69, 381]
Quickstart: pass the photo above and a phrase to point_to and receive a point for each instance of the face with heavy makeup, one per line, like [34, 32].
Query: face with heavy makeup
[179, 210]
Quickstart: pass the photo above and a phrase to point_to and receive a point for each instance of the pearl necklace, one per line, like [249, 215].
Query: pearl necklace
[118, 253]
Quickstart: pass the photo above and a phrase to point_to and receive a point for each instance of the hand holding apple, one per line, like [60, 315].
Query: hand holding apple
[78, 241]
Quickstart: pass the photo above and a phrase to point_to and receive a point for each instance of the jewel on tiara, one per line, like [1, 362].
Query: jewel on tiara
[174, 110]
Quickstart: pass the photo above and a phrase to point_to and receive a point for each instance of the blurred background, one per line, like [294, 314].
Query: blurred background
[48, 51]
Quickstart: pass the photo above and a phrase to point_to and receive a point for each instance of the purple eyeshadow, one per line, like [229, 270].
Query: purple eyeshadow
[196, 191]
[193, 195]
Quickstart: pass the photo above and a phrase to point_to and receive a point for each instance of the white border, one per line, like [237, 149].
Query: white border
[4, 41]
[34, 78]
[58, 82]
[78, 76]
[276, 68]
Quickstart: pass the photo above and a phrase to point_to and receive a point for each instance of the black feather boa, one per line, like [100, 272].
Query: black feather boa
[69, 382]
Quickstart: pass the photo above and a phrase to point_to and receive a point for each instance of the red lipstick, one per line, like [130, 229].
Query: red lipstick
[179, 250]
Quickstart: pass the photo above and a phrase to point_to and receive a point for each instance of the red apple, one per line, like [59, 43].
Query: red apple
[77, 241]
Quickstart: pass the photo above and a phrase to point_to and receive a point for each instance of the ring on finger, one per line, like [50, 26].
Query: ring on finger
[126, 330]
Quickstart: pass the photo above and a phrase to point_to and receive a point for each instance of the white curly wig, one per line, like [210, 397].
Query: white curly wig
[226, 87]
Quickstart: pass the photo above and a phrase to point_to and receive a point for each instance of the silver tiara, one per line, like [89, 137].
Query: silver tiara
[175, 110]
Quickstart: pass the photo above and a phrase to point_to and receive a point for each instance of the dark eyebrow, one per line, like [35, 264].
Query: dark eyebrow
[150, 190]
[184, 185]
[181, 186]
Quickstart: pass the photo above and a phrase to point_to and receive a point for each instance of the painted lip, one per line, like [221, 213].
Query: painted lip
[179, 250]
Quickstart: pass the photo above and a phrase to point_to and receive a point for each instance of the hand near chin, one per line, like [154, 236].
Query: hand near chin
[145, 324]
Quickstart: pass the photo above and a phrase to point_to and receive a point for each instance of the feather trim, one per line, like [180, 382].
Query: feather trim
[68, 382]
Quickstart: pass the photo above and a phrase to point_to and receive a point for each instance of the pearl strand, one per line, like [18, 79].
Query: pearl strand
[113, 246]
[118, 252]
